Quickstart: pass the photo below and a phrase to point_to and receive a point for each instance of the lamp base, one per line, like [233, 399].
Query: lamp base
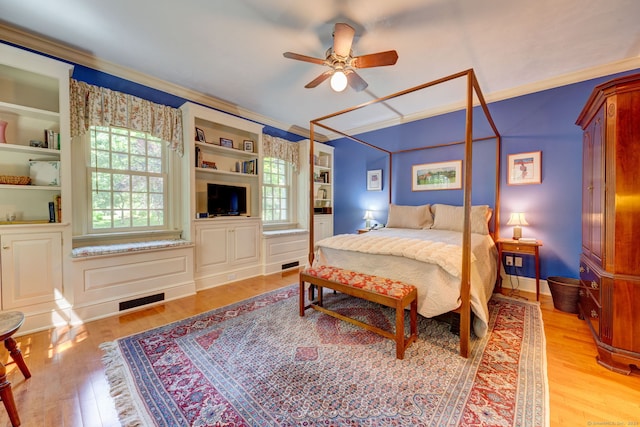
[517, 233]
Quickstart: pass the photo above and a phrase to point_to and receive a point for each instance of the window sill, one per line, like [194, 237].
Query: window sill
[126, 248]
[284, 232]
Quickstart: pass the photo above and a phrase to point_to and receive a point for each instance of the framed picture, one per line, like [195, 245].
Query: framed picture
[374, 180]
[437, 176]
[524, 168]
[226, 142]
[200, 135]
[248, 145]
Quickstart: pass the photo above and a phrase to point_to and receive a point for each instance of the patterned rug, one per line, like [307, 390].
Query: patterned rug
[258, 363]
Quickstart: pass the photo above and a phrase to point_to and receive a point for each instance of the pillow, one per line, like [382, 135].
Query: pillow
[409, 216]
[447, 217]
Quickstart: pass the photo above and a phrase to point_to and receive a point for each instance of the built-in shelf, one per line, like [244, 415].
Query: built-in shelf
[34, 113]
[227, 151]
[25, 149]
[223, 172]
[30, 187]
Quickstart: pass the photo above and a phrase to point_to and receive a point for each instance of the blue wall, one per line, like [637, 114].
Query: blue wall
[543, 121]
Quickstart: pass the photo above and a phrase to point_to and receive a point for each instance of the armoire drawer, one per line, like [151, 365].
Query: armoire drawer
[590, 280]
[590, 308]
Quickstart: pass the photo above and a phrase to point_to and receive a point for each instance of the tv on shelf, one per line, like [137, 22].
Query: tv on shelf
[226, 200]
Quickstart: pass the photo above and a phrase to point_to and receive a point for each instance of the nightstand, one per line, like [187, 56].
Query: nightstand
[362, 230]
[522, 248]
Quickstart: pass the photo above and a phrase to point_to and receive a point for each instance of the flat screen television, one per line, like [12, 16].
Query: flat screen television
[224, 200]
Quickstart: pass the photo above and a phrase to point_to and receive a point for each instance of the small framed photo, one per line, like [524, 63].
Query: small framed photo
[437, 176]
[226, 142]
[524, 168]
[248, 145]
[200, 135]
[374, 180]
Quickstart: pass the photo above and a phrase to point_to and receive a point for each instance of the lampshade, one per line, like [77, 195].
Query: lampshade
[338, 81]
[368, 216]
[517, 219]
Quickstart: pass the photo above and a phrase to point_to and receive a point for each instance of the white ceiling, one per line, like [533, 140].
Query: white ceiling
[232, 50]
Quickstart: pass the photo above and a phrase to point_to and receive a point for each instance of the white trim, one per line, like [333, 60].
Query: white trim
[66, 53]
[40, 44]
[525, 284]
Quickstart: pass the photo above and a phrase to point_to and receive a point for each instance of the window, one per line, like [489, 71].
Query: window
[127, 181]
[277, 191]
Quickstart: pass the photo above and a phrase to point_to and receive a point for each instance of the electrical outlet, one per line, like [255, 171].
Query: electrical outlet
[508, 260]
[518, 261]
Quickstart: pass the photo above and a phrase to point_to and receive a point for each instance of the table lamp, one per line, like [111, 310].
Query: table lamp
[368, 216]
[517, 219]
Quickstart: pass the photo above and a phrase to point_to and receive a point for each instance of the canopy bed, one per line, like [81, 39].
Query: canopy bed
[466, 237]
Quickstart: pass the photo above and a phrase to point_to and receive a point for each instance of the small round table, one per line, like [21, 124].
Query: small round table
[10, 322]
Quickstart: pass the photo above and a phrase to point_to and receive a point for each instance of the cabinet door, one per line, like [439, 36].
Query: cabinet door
[593, 194]
[31, 269]
[211, 244]
[323, 227]
[245, 243]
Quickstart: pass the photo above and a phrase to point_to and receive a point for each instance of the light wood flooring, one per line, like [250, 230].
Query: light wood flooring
[68, 386]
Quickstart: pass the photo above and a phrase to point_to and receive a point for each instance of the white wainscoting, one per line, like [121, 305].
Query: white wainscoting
[283, 247]
[101, 283]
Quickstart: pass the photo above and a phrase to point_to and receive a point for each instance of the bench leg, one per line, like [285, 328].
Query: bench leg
[400, 331]
[414, 318]
[301, 297]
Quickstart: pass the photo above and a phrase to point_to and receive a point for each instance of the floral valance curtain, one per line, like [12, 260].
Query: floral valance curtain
[97, 106]
[281, 149]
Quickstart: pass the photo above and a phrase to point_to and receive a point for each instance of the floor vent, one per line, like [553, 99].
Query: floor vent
[289, 265]
[125, 305]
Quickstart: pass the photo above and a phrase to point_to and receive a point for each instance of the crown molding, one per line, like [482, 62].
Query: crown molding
[623, 65]
[46, 46]
[39, 44]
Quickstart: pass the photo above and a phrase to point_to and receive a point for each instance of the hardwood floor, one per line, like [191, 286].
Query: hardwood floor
[68, 386]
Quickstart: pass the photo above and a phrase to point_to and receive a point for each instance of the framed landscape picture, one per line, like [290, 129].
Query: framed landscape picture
[437, 176]
[524, 168]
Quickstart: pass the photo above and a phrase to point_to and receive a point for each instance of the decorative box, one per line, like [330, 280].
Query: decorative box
[44, 172]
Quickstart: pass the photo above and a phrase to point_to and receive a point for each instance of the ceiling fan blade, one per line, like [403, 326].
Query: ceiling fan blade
[375, 59]
[342, 39]
[322, 77]
[355, 81]
[305, 58]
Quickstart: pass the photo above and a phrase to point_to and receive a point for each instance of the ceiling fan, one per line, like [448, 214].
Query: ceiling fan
[342, 62]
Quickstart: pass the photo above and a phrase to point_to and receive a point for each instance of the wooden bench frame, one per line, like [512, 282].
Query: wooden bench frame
[398, 303]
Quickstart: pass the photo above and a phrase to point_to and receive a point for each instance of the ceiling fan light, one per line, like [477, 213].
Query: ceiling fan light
[338, 81]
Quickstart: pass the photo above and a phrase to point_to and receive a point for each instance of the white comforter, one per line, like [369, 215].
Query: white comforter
[428, 259]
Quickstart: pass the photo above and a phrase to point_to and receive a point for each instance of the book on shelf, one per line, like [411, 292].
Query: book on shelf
[57, 201]
[52, 139]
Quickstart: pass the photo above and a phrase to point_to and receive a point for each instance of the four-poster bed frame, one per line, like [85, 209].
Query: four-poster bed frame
[471, 88]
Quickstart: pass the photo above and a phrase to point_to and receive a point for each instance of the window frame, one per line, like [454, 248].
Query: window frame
[292, 204]
[82, 205]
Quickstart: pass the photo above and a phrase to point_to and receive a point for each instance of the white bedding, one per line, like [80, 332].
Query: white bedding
[428, 259]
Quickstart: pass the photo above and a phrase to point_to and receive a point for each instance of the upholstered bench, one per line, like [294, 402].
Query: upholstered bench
[390, 293]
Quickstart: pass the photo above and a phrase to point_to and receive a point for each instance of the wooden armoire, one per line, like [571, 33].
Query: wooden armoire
[610, 261]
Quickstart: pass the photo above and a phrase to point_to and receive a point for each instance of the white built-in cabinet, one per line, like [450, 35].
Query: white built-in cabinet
[34, 97]
[227, 248]
[323, 188]
[24, 285]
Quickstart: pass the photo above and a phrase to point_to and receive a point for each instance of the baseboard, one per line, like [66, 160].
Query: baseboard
[525, 284]
[72, 317]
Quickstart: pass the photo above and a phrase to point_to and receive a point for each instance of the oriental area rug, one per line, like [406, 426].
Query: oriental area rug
[258, 363]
